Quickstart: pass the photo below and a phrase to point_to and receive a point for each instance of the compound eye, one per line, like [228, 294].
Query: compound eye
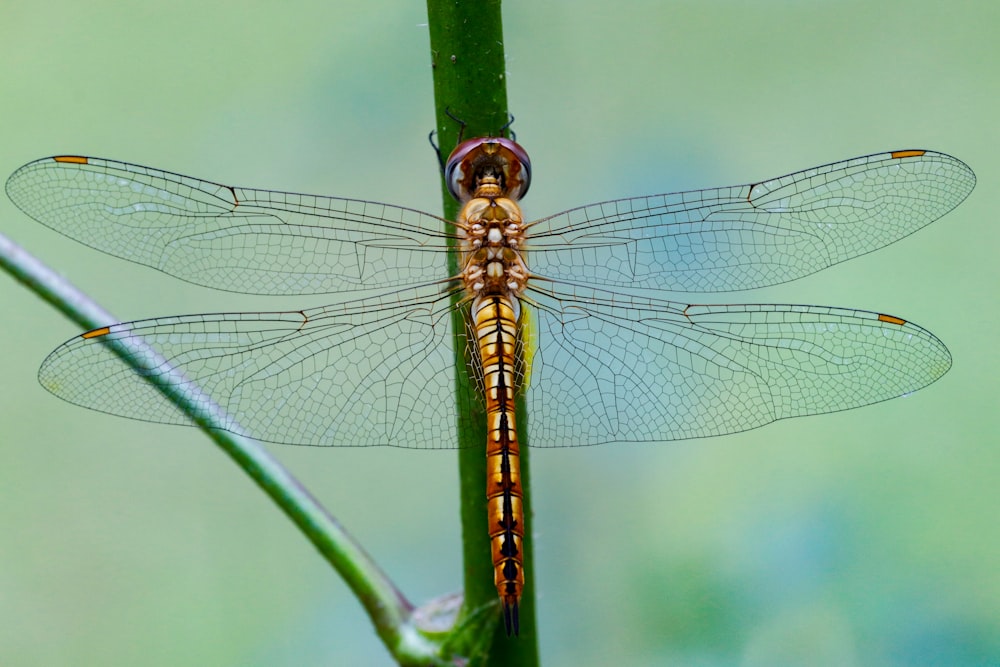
[517, 169]
[457, 170]
[475, 157]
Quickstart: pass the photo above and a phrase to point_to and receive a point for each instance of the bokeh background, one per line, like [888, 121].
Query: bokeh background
[862, 538]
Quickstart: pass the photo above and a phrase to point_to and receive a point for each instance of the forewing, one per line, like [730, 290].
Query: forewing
[230, 238]
[749, 236]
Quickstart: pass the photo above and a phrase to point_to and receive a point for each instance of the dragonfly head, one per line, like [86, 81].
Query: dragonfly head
[488, 161]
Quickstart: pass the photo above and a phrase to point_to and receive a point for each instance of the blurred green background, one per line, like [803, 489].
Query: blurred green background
[862, 538]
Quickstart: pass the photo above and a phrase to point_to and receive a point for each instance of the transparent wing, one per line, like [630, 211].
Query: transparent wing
[603, 368]
[266, 242]
[378, 371]
[749, 236]
[236, 239]
[612, 368]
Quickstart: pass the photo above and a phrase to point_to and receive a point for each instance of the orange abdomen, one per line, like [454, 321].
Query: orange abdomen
[496, 333]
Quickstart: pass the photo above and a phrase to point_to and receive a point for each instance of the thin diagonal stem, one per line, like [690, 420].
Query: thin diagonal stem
[390, 612]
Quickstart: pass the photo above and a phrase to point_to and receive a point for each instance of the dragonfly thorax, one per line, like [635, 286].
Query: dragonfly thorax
[492, 234]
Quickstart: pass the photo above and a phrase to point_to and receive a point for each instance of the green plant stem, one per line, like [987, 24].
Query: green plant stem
[389, 610]
[467, 60]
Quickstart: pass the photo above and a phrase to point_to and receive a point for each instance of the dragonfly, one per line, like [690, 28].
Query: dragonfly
[570, 313]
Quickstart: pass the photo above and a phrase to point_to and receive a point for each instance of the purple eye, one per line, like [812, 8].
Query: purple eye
[473, 159]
